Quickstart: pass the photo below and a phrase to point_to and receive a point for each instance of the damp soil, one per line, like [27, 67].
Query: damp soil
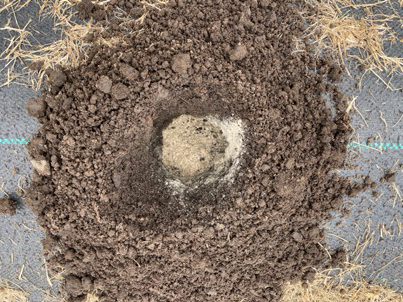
[114, 226]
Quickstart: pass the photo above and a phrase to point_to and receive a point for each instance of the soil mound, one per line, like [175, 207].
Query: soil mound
[112, 222]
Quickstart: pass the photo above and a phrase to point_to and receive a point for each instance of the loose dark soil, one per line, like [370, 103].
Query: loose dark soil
[112, 222]
[7, 206]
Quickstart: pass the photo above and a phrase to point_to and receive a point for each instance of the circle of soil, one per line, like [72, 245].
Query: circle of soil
[114, 225]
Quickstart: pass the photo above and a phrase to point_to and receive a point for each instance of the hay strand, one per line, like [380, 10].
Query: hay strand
[8, 294]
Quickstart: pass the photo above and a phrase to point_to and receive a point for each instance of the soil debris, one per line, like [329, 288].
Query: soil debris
[181, 63]
[56, 78]
[7, 206]
[36, 108]
[129, 72]
[41, 166]
[104, 84]
[238, 53]
[113, 222]
[88, 9]
[120, 91]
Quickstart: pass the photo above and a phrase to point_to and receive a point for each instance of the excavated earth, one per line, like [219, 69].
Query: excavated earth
[7, 206]
[113, 224]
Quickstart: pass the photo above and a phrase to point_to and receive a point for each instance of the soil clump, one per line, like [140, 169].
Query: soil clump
[114, 225]
[7, 207]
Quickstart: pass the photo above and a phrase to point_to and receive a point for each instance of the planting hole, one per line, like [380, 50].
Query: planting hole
[203, 149]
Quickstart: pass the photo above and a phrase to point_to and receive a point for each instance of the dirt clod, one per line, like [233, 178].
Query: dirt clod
[238, 53]
[88, 9]
[73, 285]
[129, 72]
[104, 84]
[181, 63]
[56, 78]
[41, 166]
[120, 91]
[7, 206]
[36, 108]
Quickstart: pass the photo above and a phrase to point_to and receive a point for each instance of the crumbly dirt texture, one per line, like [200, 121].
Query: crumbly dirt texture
[7, 206]
[112, 223]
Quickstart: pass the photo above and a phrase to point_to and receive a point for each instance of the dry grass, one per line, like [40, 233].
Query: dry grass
[8, 294]
[346, 284]
[91, 298]
[68, 52]
[358, 33]
[24, 50]
[326, 287]
[14, 5]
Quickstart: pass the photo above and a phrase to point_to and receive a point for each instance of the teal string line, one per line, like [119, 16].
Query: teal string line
[378, 146]
[13, 141]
